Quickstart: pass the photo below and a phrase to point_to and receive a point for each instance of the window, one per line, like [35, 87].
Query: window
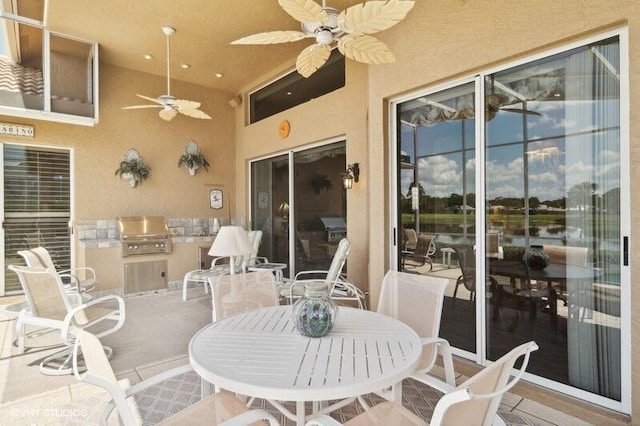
[36, 206]
[44, 75]
[293, 89]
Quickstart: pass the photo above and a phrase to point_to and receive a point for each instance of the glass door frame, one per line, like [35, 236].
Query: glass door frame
[480, 356]
[290, 153]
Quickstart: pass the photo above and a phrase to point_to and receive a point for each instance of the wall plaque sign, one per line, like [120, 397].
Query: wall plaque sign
[17, 130]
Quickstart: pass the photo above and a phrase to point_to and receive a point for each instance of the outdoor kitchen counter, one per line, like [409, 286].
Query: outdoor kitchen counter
[105, 256]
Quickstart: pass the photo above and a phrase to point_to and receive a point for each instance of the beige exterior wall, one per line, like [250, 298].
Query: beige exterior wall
[340, 115]
[170, 191]
[439, 41]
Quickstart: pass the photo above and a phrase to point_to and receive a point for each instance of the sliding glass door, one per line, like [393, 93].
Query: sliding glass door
[299, 203]
[539, 170]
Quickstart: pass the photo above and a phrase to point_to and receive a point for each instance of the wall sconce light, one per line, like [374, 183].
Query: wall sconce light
[352, 174]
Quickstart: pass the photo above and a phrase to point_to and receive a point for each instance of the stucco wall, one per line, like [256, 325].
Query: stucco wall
[98, 150]
[444, 40]
[340, 115]
[439, 41]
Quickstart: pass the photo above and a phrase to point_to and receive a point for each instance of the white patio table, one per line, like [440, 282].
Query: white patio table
[261, 354]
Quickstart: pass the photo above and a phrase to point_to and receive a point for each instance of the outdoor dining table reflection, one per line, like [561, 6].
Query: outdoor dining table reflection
[571, 279]
[261, 354]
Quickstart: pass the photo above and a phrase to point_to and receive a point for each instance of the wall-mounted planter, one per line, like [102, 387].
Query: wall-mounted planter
[192, 159]
[132, 168]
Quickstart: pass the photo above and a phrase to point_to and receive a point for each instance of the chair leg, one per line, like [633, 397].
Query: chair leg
[185, 283]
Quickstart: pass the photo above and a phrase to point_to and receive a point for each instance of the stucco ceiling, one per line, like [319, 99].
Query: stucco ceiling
[128, 29]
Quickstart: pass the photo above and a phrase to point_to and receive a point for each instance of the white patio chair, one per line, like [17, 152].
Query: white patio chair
[342, 289]
[416, 300]
[473, 402]
[221, 408]
[39, 257]
[233, 294]
[218, 268]
[53, 309]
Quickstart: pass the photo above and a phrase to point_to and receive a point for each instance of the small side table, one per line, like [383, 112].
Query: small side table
[446, 256]
[276, 268]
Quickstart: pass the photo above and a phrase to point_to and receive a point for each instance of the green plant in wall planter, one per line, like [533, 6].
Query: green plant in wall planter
[192, 159]
[132, 168]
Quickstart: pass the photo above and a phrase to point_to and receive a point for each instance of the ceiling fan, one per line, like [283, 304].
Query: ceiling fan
[349, 30]
[169, 104]
[495, 102]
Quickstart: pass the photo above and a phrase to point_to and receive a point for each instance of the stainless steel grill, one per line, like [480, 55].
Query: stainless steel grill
[142, 235]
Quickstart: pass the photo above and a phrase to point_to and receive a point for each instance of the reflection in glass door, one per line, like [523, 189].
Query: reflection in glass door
[552, 176]
[436, 198]
[270, 206]
[553, 179]
[312, 221]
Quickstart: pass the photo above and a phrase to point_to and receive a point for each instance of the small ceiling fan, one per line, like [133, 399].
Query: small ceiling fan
[169, 104]
[495, 102]
[349, 30]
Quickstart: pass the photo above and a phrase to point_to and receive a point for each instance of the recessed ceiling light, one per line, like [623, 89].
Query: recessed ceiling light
[219, 75]
[185, 66]
[148, 57]
[288, 93]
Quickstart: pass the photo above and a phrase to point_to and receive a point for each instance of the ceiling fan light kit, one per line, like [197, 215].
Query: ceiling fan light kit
[349, 30]
[169, 104]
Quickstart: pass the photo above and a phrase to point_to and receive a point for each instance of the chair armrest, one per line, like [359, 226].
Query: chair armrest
[323, 420]
[91, 273]
[250, 417]
[446, 402]
[302, 273]
[444, 350]
[69, 322]
[158, 378]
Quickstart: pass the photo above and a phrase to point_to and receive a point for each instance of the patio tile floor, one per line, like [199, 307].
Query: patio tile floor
[79, 403]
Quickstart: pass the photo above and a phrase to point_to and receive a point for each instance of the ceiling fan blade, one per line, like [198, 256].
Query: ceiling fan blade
[168, 113]
[521, 111]
[194, 113]
[312, 58]
[366, 49]
[150, 99]
[374, 16]
[142, 106]
[304, 10]
[272, 37]
[185, 104]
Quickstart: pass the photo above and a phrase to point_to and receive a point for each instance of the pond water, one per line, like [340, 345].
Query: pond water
[543, 234]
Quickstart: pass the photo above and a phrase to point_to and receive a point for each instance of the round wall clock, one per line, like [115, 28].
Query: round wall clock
[284, 129]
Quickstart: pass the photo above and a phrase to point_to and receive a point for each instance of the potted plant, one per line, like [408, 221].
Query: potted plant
[133, 169]
[192, 159]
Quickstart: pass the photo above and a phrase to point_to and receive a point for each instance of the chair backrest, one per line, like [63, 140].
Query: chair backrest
[416, 300]
[255, 237]
[411, 238]
[425, 245]
[339, 259]
[566, 255]
[467, 261]
[492, 242]
[99, 372]
[487, 388]
[44, 291]
[236, 293]
[37, 257]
